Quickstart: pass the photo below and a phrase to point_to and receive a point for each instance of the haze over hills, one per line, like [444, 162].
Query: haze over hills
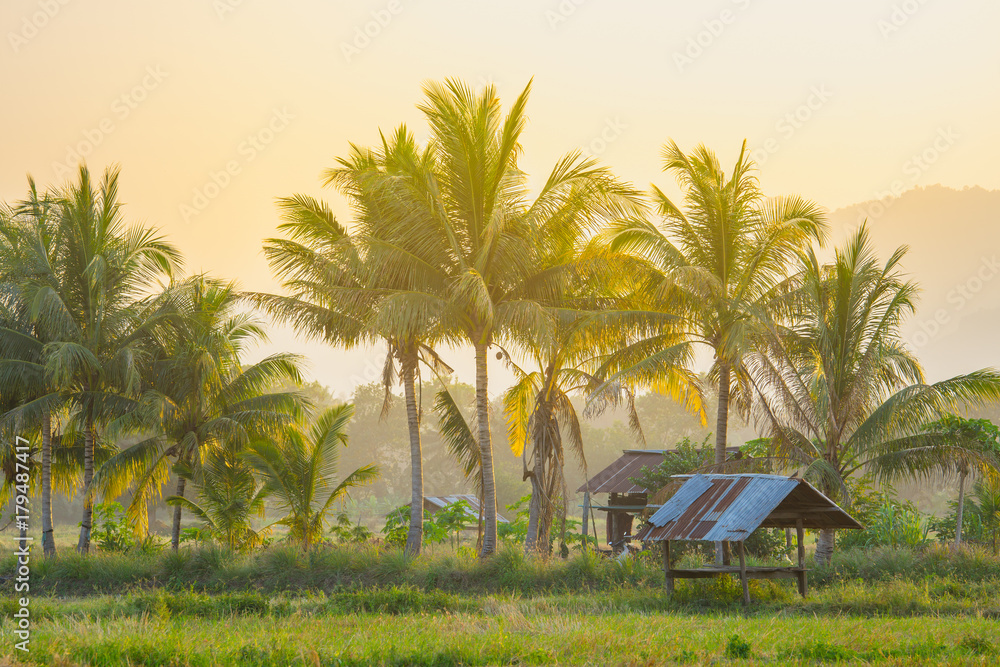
[954, 241]
[954, 255]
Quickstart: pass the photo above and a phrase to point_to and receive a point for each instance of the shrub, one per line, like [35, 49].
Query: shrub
[347, 532]
[737, 648]
[766, 543]
[112, 531]
[976, 644]
[892, 524]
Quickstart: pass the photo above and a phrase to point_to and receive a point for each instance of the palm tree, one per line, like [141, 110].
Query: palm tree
[299, 470]
[841, 391]
[92, 310]
[588, 294]
[198, 397]
[228, 498]
[345, 289]
[716, 262]
[28, 256]
[467, 241]
[967, 433]
[987, 494]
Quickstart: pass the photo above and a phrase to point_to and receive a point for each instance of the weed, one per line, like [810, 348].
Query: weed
[737, 648]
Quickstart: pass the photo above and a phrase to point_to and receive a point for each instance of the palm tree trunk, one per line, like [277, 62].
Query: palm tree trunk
[824, 546]
[48, 540]
[175, 532]
[961, 508]
[415, 535]
[83, 546]
[547, 513]
[486, 453]
[535, 504]
[722, 415]
[721, 435]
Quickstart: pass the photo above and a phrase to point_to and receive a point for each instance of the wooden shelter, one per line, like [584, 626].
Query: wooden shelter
[728, 508]
[626, 499]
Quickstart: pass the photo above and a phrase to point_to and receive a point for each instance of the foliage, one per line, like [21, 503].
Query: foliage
[199, 401]
[987, 497]
[897, 525]
[200, 534]
[517, 528]
[707, 274]
[973, 530]
[887, 521]
[453, 518]
[347, 532]
[840, 389]
[299, 468]
[684, 458]
[960, 431]
[767, 544]
[228, 498]
[397, 525]
[447, 523]
[737, 648]
[112, 531]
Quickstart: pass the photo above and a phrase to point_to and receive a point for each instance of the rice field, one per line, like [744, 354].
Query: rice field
[364, 607]
[501, 631]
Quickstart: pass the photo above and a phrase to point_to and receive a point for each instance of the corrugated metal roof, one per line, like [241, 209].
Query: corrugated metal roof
[440, 502]
[616, 478]
[721, 508]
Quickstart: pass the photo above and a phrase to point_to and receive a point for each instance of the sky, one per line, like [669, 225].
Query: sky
[213, 108]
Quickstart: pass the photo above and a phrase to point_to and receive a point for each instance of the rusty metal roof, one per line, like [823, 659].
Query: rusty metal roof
[616, 477]
[720, 508]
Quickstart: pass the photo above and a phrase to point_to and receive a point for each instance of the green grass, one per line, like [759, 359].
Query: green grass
[355, 606]
[492, 630]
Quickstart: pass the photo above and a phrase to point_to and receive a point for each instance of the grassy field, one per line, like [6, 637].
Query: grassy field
[359, 606]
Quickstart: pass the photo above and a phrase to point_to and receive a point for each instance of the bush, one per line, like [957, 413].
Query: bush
[767, 543]
[897, 525]
[887, 520]
[685, 458]
[347, 532]
[112, 530]
[737, 648]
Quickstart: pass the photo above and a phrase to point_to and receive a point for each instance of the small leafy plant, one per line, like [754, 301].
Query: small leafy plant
[112, 530]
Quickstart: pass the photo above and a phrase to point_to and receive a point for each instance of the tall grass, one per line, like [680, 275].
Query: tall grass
[935, 574]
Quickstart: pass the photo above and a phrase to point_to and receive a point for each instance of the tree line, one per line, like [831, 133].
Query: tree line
[587, 287]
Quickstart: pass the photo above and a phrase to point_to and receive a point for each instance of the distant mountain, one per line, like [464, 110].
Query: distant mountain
[954, 240]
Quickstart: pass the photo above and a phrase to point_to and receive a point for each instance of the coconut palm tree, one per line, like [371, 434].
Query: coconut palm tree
[228, 498]
[346, 289]
[299, 471]
[197, 397]
[28, 256]
[841, 391]
[93, 311]
[469, 247]
[716, 260]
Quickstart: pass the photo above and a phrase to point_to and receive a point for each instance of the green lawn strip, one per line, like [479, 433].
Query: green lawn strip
[503, 634]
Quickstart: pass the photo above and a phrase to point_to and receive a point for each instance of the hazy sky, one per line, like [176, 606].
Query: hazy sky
[215, 107]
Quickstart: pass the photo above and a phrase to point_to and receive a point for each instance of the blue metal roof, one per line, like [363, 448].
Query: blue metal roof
[720, 508]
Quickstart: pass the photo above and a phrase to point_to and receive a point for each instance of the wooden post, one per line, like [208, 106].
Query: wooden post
[666, 569]
[743, 574]
[586, 517]
[800, 535]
